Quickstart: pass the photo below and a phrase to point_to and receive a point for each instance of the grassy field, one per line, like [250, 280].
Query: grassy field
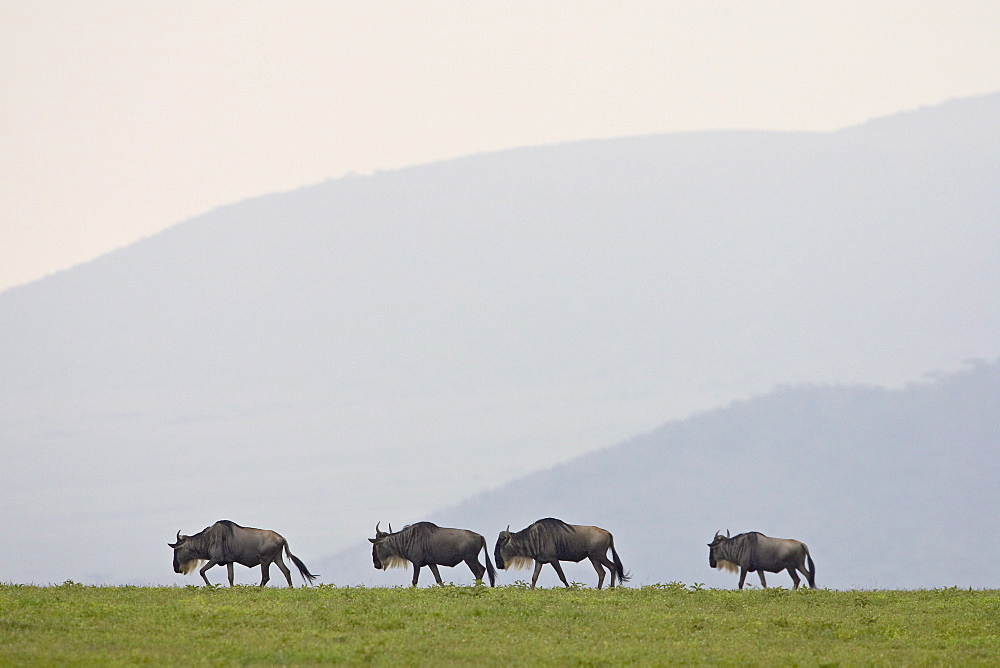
[658, 624]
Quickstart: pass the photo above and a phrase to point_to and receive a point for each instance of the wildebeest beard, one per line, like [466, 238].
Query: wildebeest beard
[519, 563]
[192, 565]
[728, 566]
[394, 561]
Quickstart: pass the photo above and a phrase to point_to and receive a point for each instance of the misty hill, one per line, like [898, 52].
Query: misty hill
[389, 344]
[889, 488]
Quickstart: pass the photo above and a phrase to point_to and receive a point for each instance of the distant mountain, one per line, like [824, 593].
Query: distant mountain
[889, 488]
[387, 345]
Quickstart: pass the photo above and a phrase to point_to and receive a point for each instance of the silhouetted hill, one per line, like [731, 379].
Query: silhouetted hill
[311, 361]
[889, 488]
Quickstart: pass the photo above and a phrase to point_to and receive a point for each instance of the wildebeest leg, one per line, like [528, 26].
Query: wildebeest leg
[437, 575]
[562, 576]
[611, 567]
[265, 571]
[416, 574]
[795, 577]
[477, 568]
[229, 569]
[763, 582]
[743, 576]
[600, 572]
[205, 568]
[284, 569]
[534, 576]
[809, 579]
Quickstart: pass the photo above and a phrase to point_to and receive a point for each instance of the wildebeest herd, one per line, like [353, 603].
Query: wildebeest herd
[547, 541]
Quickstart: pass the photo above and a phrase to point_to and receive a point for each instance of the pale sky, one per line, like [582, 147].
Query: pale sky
[118, 119]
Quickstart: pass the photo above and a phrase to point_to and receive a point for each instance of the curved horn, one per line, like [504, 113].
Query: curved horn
[390, 527]
[376, 528]
[727, 533]
[178, 536]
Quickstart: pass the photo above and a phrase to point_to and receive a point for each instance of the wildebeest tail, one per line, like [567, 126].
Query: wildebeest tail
[489, 564]
[622, 575]
[811, 573]
[303, 571]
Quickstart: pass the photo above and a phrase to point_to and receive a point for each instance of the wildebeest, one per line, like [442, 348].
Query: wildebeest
[427, 544]
[225, 543]
[549, 541]
[753, 551]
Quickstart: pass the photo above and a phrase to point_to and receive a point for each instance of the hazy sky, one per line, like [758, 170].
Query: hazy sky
[118, 119]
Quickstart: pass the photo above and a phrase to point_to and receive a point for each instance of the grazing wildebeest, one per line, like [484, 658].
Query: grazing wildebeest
[549, 541]
[225, 543]
[753, 551]
[427, 544]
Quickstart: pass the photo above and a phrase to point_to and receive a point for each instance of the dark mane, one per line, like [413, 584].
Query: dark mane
[420, 536]
[420, 529]
[551, 529]
[217, 538]
[551, 524]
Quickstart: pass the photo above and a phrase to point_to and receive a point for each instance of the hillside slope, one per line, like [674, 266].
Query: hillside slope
[313, 360]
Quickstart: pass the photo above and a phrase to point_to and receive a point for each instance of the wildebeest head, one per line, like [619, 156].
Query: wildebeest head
[186, 557]
[505, 554]
[383, 552]
[503, 540]
[714, 550]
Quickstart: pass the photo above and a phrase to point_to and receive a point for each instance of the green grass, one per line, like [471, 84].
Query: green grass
[508, 625]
